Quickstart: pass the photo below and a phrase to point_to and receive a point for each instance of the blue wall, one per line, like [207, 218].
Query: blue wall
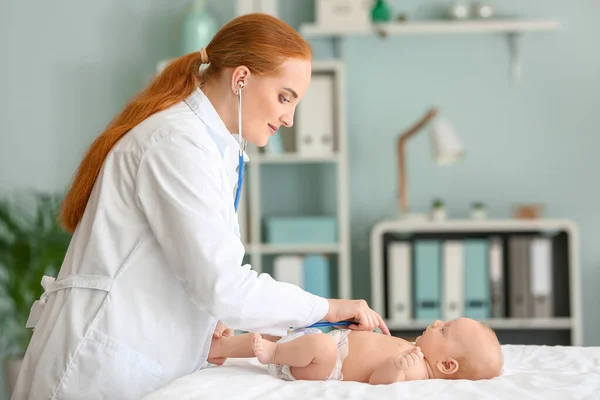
[535, 141]
[68, 66]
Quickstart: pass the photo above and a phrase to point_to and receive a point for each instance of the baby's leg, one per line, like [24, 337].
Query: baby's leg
[311, 357]
[237, 346]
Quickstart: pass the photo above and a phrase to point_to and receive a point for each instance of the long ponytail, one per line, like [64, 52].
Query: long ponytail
[178, 80]
[258, 41]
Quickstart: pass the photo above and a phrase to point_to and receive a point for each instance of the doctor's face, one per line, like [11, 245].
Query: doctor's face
[269, 102]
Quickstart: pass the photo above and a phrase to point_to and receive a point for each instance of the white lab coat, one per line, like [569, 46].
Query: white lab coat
[154, 263]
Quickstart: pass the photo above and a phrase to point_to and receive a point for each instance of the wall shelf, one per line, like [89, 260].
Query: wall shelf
[513, 28]
[435, 27]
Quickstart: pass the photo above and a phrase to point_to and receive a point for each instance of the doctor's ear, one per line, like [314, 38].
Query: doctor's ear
[238, 78]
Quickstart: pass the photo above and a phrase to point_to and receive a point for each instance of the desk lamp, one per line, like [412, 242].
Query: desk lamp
[445, 146]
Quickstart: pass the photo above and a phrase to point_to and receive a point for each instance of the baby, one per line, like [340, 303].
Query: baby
[459, 349]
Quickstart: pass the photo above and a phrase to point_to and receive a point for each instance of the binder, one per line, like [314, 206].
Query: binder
[289, 269]
[315, 275]
[453, 304]
[477, 280]
[560, 275]
[497, 282]
[315, 120]
[427, 281]
[541, 278]
[399, 282]
[519, 276]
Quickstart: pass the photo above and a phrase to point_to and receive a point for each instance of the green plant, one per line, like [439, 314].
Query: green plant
[32, 244]
[478, 205]
[437, 203]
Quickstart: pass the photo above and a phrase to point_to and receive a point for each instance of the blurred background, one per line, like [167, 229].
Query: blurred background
[528, 126]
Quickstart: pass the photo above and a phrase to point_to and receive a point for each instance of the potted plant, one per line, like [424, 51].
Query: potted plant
[32, 244]
[478, 210]
[438, 210]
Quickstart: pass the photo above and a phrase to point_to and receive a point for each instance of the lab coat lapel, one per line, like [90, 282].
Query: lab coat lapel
[225, 141]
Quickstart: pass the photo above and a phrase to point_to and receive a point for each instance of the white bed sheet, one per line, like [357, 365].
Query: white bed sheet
[530, 372]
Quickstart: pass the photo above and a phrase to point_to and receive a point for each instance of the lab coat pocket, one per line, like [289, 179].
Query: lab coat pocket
[106, 368]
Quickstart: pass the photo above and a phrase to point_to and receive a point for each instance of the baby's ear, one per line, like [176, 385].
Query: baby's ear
[448, 366]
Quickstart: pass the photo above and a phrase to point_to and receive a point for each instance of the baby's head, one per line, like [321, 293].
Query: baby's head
[461, 349]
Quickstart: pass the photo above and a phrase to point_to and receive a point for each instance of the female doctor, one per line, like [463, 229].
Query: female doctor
[153, 273]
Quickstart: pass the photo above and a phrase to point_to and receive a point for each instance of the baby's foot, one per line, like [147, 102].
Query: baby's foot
[263, 349]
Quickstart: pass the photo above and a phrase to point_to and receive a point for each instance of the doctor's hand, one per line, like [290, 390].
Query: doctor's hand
[220, 331]
[355, 310]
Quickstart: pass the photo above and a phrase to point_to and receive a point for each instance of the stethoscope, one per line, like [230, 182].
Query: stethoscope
[238, 191]
[324, 324]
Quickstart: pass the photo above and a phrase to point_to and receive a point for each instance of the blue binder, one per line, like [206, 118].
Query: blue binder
[477, 279]
[427, 279]
[315, 269]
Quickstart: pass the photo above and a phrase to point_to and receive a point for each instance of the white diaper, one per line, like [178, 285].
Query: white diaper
[340, 337]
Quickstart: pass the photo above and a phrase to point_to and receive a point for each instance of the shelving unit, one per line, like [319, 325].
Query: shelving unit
[562, 329]
[252, 213]
[514, 28]
[295, 159]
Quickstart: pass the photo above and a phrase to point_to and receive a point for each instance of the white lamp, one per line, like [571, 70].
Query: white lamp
[446, 147]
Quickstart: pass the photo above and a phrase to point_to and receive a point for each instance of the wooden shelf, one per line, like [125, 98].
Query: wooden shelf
[504, 323]
[436, 27]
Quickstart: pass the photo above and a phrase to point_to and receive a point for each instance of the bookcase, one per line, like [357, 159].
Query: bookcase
[293, 190]
[521, 277]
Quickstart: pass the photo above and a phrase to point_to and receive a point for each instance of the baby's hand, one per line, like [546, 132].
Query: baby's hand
[408, 358]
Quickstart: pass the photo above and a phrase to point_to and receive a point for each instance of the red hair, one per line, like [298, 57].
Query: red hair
[258, 41]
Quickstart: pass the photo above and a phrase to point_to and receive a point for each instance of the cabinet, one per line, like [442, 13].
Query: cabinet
[534, 259]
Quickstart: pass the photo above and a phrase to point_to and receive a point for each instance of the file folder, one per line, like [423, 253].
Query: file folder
[477, 280]
[427, 282]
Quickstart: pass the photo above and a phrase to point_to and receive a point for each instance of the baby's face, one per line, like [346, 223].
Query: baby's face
[446, 344]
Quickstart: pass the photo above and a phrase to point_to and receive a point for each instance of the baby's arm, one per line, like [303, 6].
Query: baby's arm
[406, 366]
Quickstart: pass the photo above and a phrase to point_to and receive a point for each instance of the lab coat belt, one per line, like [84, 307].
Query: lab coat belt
[51, 285]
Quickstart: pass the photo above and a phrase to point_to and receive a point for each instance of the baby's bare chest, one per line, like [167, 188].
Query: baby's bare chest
[367, 351]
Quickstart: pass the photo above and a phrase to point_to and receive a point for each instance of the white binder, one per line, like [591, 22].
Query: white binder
[289, 269]
[314, 126]
[453, 279]
[497, 286]
[399, 282]
[541, 278]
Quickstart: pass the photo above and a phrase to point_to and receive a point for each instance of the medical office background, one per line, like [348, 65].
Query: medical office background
[67, 67]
